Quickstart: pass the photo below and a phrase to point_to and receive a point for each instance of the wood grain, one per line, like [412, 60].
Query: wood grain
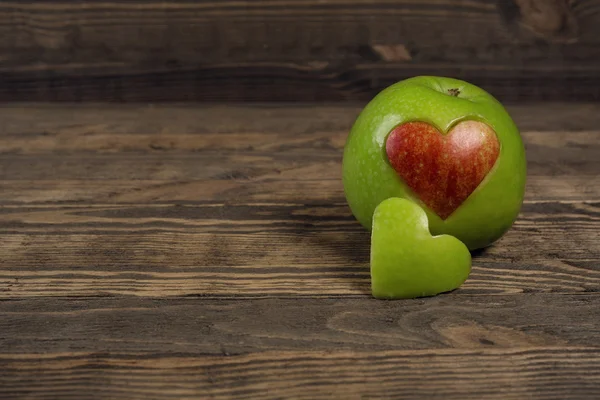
[48, 119]
[100, 201]
[253, 156]
[256, 154]
[207, 252]
[264, 250]
[218, 326]
[150, 50]
[538, 373]
[533, 346]
[566, 187]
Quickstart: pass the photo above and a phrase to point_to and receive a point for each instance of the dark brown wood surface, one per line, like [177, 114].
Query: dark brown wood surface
[310, 50]
[208, 252]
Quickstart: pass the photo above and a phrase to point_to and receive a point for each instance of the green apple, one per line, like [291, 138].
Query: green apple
[444, 144]
[406, 261]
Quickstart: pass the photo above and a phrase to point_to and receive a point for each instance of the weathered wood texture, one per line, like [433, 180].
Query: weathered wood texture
[308, 50]
[102, 201]
[506, 347]
[539, 373]
[181, 252]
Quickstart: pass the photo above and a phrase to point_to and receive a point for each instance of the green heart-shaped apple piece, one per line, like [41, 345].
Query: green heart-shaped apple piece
[406, 260]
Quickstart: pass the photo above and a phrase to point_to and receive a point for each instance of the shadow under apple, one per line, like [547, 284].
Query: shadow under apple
[333, 235]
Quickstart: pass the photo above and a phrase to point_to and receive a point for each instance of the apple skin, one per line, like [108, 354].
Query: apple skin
[369, 178]
[406, 261]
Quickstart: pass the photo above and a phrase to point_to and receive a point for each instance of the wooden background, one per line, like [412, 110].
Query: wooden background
[294, 50]
[202, 250]
[208, 252]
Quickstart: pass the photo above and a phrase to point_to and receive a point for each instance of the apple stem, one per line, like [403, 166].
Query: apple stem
[454, 92]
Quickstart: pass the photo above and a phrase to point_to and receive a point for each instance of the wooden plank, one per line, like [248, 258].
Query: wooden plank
[251, 280]
[287, 157]
[329, 141]
[240, 191]
[273, 82]
[150, 50]
[214, 327]
[264, 250]
[538, 373]
[63, 123]
[248, 201]
[531, 346]
[306, 168]
[256, 154]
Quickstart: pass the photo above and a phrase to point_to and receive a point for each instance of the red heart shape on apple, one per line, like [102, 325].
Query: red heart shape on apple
[442, 170]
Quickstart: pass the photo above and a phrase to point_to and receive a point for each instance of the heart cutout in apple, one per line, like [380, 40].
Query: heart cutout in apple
[442, 170]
